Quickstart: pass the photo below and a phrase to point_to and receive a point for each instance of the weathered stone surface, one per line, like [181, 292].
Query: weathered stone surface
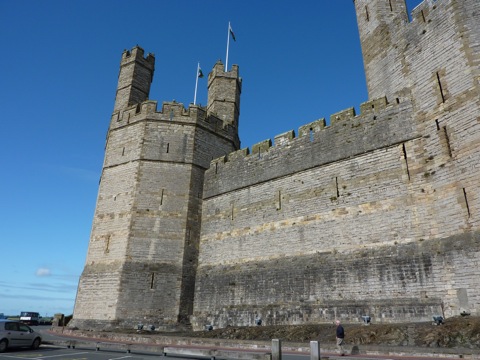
[375, 214]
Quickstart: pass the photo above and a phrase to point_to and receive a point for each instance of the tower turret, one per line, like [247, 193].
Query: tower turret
[379, 25]
[135, 78]
[224, 88]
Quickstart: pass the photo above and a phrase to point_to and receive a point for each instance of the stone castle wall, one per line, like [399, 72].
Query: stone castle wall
[376, 214]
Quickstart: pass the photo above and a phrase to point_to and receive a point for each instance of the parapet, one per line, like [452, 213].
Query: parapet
[284, 138]
[237, 154]
[219, 71]
[137, 53]
[312, 127]
[380, 124]
[172, 111]
[262, 146]
[374, 105]
[342, 115]
[318, 128]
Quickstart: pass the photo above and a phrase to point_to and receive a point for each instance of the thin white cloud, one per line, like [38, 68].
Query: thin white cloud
[56, 286]
[43, 272]
[32, 297]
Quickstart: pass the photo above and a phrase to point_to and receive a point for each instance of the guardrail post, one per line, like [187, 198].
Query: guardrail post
[276, 349]
[314, 350]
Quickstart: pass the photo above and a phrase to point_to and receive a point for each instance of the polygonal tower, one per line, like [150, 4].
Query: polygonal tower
[379, 24]
[143, 250]
[224, 90]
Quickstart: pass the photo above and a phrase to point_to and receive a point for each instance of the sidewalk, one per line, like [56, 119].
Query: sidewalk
[156, 342]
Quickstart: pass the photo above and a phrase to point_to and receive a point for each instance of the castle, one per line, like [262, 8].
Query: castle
[376, 214]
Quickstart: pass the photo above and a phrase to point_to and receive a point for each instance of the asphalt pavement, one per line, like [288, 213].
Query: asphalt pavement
[62, 347]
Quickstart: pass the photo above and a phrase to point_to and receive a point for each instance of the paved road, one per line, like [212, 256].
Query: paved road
[46, 352]
[91, 350]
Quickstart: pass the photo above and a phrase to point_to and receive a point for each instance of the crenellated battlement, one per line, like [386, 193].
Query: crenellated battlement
[391, 44]
[342, 123]
[172, 112]
[380, 124]
[343, 115]
[219, 71]
[136, 54]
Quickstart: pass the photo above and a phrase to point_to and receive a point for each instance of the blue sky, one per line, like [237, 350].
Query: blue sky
[300, 61]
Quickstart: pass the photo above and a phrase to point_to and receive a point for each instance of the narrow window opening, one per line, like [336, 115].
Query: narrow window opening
[311, 135]
[373, 106]
[137, 110]
[107, 244]
[447, 138]
[231, 213]
[366, 13]
[168, 147]
[466, 201]
[336, 185]
[398, 100]
[161, 196]
[437, 123]
[152, 280]
[279, 200]
[423, 16]
[440, 87]
[390, 3]
[123, 151]
[216, 168]
[128, 118]
[406, 160]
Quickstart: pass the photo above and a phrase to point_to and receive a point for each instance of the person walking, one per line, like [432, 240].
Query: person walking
[340, 334]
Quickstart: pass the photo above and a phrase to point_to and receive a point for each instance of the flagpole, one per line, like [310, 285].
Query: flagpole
[196, 86]
[228, 44]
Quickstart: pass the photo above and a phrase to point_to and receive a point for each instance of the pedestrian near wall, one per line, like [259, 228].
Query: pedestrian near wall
[340, 334]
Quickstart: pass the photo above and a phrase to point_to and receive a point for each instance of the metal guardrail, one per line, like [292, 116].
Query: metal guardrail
[207, 353]
[217, 354]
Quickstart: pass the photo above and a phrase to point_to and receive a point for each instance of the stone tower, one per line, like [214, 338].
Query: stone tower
[134, 79]
[379, 22]
[224, 90]
[143, 249]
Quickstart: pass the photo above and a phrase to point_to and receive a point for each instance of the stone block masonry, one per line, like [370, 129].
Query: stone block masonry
[373, 214]
[143, 253]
